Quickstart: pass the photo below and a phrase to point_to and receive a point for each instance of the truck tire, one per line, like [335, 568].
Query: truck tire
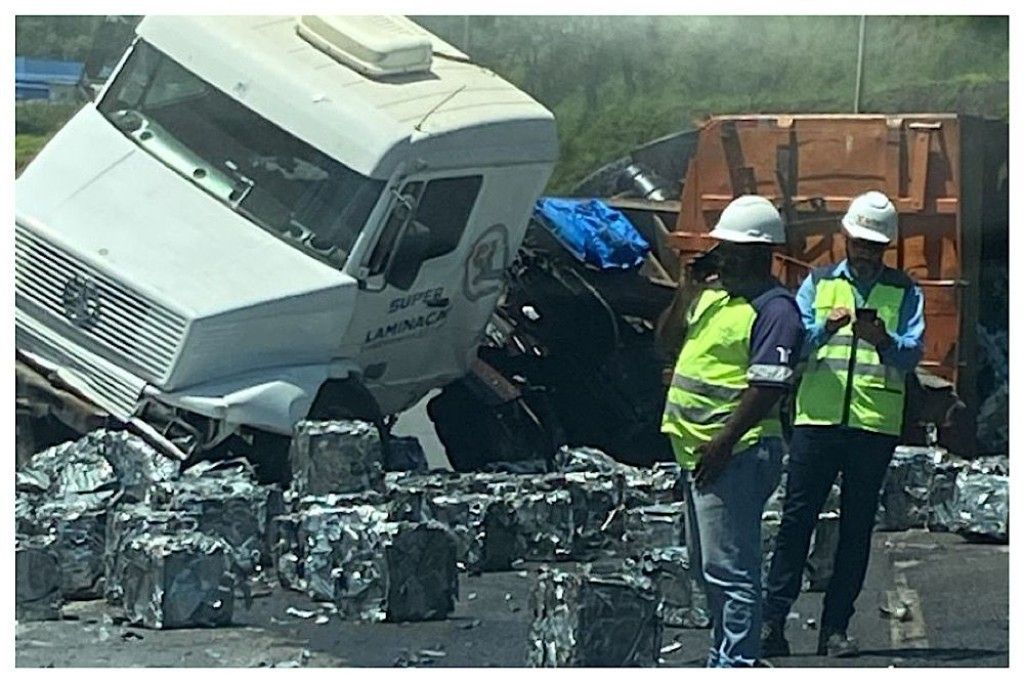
[476, 434]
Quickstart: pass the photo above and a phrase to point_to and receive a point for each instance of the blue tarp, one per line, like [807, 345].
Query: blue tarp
[593, 232]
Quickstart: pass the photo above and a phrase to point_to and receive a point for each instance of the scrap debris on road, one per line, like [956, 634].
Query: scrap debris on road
[107, 517]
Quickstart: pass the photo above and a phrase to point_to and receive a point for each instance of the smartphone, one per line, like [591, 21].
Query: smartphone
[867, 315]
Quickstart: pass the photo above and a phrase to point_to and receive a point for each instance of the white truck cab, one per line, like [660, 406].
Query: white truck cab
[257, 210]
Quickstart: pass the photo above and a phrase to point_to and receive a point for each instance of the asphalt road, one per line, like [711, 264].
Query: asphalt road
[955, 597]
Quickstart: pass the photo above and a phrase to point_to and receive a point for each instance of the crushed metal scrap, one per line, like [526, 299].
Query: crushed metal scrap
[594, 618]
[107, 516]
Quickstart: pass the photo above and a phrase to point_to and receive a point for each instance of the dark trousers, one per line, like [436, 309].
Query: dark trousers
[816, 456]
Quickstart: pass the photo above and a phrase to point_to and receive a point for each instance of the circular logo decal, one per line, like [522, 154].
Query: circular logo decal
[486, 264]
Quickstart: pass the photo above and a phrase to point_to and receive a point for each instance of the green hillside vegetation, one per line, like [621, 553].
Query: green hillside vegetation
[615, 82]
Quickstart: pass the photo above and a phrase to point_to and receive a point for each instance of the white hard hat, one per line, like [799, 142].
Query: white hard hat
[750, 219]
[871, 217]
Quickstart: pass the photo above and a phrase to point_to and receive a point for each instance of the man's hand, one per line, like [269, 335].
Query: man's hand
[874, 333]
[715, 456]
[838, 317]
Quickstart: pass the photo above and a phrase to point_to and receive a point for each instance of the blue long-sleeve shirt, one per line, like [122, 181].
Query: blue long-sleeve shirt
[908, 337]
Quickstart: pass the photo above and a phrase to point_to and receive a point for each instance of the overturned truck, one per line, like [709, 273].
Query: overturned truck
[262, 220]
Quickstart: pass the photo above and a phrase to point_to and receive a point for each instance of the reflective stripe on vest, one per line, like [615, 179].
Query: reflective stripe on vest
[711, 375]
[845, 381]
[698, 387]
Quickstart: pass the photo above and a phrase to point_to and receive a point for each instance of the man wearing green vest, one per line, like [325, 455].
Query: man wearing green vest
[865, 329]
[740, 339]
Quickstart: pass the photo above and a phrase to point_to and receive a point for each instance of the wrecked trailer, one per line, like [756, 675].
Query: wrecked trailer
[573, 345]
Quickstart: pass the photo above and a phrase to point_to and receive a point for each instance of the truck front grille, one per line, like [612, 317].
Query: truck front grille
[138, 330]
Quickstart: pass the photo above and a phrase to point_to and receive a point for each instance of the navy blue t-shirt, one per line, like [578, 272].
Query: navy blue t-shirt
[776, 338]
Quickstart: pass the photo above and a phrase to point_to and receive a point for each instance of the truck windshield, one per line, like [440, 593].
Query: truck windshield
[278, 182]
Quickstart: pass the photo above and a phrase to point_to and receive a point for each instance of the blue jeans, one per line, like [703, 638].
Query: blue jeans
[723, 533]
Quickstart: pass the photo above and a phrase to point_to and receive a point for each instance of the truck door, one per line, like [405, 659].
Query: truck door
[416, 319]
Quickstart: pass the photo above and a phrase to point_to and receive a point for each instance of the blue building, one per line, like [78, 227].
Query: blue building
[46, 79]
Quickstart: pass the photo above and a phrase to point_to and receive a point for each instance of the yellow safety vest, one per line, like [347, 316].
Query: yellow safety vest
[840, 386]
[710, 376]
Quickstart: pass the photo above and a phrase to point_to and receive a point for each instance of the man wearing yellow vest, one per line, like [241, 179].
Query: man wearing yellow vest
[740, 341]
[865, 329]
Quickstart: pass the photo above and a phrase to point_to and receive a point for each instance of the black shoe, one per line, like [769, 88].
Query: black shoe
[837, 644]
[773, 640]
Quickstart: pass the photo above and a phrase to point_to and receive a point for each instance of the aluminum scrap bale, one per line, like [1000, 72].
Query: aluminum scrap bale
[229, 504]
[586, 620]
[463, 515]
[125, 523]
[597, 499]
[38, 594]
[339, 456]
[586, 459]
[376, 571]
[903, 503]
[498, 483]
[652, 526]
[136, 464]
[485, 528]
[422, 578]
[667, 480]
[348, 568]
[684, 603]
[31, 482]
[654, 486]
[80, 532]
[343, 500]
[398, 479]
[99, 466]
[501, 543]
[178, 581]
[25, 506]
[544, 521]
[990, 464]
[329, 536]
[549, 481]
[942, 515]
[982, 504]
[74, 470]
[409, 503]
[290, 534]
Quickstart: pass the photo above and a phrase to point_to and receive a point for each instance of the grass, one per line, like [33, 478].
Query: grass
[26, 146]
[34, 124]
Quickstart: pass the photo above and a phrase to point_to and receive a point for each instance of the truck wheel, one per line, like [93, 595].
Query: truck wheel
[475, 434]
[269, 458]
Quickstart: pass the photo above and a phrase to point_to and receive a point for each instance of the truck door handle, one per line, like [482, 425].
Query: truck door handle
[438, 303]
